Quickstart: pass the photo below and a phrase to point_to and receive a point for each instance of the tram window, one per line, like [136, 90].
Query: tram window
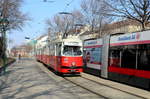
[44, 51]
[72, 50]
[51, 49]
[58, 49]
[129, 56]
[95, 56]
[47, 50]
[144, 57]
[123, 56]
[114, 56]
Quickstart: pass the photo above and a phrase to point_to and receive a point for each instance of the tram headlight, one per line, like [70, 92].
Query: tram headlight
[73, 63]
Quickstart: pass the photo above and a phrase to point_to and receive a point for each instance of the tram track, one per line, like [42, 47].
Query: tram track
[100, 84]
[86, 88]
[50, 72]
[73, 79]
[113, 88]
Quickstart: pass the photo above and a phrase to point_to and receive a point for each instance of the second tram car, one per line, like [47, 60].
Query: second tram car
[125, 58]
[129, 59]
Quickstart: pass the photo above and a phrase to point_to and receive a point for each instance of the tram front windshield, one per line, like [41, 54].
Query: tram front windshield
[72, 50]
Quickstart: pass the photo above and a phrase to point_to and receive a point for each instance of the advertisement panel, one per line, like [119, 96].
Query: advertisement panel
[132, 38]
[93, 51]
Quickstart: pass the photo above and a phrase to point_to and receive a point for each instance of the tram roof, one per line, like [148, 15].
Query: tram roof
[68, 39]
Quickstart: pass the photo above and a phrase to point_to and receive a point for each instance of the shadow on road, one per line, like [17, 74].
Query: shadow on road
[26, 80]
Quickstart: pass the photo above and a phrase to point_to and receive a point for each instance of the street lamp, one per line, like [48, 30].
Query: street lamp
[27, 38]
[65, 13]
[3, 26]
[76, 25]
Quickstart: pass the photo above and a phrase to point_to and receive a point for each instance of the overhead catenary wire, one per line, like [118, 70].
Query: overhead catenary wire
[68, 4]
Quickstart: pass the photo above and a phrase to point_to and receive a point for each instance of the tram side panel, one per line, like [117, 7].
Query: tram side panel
[51, 56]
[40, 55]
[44, 55]
[105, 55]
[47, 55]
[92, 56]
[129, 59]
[57, 58]
[54, 58]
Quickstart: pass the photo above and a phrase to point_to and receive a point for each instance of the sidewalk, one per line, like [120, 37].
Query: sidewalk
[21, 80]
[26, 80]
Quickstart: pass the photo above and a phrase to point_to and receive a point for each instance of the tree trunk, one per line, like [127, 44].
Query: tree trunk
[143, 26]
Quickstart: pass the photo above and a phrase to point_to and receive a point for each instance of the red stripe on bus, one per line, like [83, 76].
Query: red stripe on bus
[132, 72]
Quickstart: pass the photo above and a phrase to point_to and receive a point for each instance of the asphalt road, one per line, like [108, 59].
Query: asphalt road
[26, 80]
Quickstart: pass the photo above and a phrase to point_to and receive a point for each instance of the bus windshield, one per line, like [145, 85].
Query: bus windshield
[72, 51]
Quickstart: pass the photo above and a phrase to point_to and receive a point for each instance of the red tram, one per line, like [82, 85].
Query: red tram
[63, 55]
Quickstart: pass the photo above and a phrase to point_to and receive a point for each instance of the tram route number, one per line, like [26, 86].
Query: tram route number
[72, 70]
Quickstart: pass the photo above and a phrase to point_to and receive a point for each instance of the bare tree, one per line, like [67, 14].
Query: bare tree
[10, 9]
[63, 24]
[138, 10]
[90, 10]
[55, 26]
[95, 12]
[78, 17]
[1, 46]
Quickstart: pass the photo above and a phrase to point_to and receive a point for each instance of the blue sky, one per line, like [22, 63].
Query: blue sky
[39, 11]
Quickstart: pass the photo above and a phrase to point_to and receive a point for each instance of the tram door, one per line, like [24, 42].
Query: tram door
[58, 55]
[105, 54]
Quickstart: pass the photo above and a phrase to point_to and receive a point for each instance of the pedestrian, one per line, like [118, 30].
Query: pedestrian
[18, 58]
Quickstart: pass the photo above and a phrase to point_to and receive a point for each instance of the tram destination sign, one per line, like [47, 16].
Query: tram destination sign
[73, 43]
[131, 38]
[93, 42]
